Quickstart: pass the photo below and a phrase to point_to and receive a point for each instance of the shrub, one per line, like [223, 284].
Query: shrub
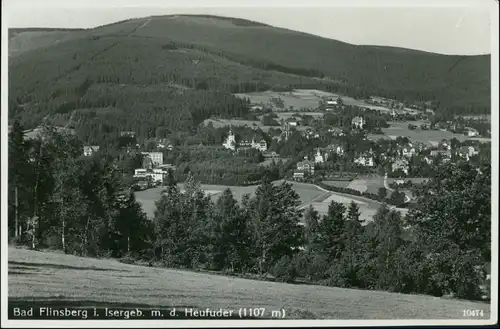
[284, 270]
[336, 276]
[318, 267]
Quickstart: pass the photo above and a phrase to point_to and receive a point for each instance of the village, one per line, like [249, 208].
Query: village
[354, 158]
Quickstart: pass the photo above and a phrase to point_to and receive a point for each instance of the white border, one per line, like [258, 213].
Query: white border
[250, 323]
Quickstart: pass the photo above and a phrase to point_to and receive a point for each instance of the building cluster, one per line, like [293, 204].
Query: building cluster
[304, 168]
[164, 144]
[88, 150]
[231, 143]
[153, 169]
[358, 123]
[397, 157]
[365, 159]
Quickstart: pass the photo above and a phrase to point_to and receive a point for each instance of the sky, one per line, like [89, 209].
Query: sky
[436, 27]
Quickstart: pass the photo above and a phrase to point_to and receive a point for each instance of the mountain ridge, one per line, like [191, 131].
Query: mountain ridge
[243, 21]
[216, 56]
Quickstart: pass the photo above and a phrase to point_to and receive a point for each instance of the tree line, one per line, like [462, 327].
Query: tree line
[61, 200]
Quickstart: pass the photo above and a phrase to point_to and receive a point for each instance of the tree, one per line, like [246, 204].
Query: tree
[311, 233]
[19, 179]
[276, 217]
[332, 230]
[233, 238]
[352, 231]
[133, 226]
[161, 132]
[452, 220]
[397, 198]
[353, 212]
[464, 215]
[71, 204]
[196, 212]
[382, 193]
[169, 227]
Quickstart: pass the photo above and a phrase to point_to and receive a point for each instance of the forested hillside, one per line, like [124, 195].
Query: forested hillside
[151, 68]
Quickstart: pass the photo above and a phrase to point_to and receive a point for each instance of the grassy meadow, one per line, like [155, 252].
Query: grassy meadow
[309, 195]
[431, 137]
[59, 280]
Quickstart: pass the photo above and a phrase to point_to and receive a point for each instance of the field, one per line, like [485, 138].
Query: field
[367, 208]
[367, 184]
[309, 195]
[147, 198]
[287, 115]
[337, 183]
[218, 123]
[304, 98]
[57, 280]
[294, 99]
[36, 132]
[486, 117]
[425, 136]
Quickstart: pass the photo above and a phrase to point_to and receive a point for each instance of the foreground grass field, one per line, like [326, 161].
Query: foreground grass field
[57, 279]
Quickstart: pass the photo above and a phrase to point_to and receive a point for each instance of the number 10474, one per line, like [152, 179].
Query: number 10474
[473, 313]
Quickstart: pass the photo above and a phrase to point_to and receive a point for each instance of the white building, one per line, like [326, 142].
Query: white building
[306, 166]
[156, 174]
[365, 161]
[164, 144]
[337, 149]
[332, 102]
[261, 145]
[445, 154]
[408, 152]
[467, 152]
[358, 122]
[400, 164]
[140, 171]
[127, 133]
[156, 157]
[318, 158]
[336, 131]
[298, 174]
[89, 150]
[472, 133]
[230, 142]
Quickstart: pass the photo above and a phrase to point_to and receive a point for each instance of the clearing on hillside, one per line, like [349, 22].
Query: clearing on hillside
[431, 137]
[304, 98]
[59, 280]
